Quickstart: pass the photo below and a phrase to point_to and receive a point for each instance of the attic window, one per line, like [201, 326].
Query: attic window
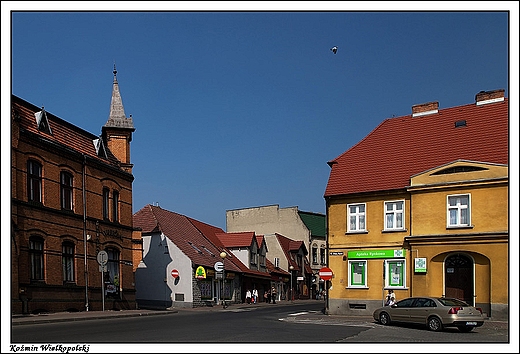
[42, 122]
[100, 148]
[195, 247]
[460, 123]
[211, 253]
[459, 169]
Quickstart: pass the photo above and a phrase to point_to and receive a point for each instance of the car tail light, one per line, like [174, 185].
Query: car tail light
[454, 310]
[479, 309]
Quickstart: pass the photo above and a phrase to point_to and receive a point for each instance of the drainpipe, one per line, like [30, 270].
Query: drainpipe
[84, 192]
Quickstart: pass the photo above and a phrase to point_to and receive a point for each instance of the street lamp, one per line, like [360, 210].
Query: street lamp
[223, 255]
[291, 268]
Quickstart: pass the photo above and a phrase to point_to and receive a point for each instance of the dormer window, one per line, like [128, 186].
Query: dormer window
[42, 122]
[100, 148]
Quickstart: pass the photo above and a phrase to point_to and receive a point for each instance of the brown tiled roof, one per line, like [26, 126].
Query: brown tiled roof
[64, 134]
[237, 239]
[291, 246]
[404, 146]
[182, 232]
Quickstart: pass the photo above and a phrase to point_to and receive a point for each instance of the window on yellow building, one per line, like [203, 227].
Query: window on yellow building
[395, 273]
[356, 217]
[357, 273]
[459, 210]
[394, 215]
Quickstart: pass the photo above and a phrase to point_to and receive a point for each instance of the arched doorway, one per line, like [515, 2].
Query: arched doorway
[458, 275]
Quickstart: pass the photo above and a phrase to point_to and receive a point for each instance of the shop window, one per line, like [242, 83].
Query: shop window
[34, 181]
[67, 258]
[395, 273]
[356, 217]
[66, 180]
[357, 274]
[459, 210]
[112, 275]
[36, 257]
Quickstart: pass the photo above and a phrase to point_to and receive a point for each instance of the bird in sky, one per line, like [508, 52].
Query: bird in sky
[334, 49]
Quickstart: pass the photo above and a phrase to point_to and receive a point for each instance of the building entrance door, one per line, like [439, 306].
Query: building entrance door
[458, 275]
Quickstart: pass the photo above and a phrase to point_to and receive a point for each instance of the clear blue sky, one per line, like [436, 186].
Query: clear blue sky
[243, 109]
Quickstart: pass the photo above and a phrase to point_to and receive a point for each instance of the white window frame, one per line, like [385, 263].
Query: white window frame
[391, 280]
[458, 208]
[357, 214]
[353, 283]
[394, 212]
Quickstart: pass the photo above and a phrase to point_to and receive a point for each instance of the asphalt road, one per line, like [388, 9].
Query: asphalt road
[280, 324]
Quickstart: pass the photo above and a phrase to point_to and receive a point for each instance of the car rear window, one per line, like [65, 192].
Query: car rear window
[452, 302]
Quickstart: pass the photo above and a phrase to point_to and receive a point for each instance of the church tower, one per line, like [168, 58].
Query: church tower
[117, 132]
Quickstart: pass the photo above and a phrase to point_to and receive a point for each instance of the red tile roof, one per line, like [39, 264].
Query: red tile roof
[181, 231]
[401, 147]
[64, 134]
[236, 239]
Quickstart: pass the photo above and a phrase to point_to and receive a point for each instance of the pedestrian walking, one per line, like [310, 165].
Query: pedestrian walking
[248, 296]
[255, 296]
[273, 294]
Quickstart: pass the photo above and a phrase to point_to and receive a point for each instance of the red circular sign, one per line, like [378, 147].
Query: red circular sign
[325, 273]
[175, 273]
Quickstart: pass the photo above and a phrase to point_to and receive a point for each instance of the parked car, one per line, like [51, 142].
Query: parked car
[434, 312]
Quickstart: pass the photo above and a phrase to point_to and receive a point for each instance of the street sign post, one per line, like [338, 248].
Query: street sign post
[102, 259]
[325, 273]
[219, 266]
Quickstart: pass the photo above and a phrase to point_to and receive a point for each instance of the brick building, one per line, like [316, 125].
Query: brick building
[71, 197]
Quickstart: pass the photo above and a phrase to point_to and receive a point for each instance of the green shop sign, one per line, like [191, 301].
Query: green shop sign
[364, 254]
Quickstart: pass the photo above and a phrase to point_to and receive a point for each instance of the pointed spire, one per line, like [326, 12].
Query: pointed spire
[117, 117]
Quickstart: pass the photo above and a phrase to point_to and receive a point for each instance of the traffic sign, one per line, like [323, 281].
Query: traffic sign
[102, 258]
[219, 266]
[325, 273]
[175, 273]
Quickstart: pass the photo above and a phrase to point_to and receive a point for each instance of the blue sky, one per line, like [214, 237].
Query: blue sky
[243, 109]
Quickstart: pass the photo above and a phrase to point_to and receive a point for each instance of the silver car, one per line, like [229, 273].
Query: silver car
[434, 312]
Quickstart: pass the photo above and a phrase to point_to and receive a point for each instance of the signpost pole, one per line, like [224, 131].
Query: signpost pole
[103, 287]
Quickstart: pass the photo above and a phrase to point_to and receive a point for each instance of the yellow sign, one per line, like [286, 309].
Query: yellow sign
[200, 273]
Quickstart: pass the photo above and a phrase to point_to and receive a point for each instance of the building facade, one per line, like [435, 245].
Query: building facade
[71, 198]
[420, 206]
[292, 223]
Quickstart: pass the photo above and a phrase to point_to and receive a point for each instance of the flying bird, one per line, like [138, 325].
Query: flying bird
[334, 49]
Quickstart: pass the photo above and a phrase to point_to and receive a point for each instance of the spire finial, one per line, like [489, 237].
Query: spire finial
[115, 71]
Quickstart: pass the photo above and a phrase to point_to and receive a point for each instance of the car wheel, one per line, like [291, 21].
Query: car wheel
[465, 329]
[384, 319]
[434, 324]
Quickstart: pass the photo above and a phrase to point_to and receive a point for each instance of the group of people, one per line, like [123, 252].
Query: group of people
[269, 295]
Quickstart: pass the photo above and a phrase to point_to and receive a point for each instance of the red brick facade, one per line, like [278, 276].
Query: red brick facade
[50, 270]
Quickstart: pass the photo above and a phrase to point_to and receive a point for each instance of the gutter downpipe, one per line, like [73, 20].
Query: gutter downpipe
[84, 192]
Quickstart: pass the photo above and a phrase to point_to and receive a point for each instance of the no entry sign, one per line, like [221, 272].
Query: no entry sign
[325, 273]
[175, 273]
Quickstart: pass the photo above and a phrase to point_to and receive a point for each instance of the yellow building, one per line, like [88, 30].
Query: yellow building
[420, 206]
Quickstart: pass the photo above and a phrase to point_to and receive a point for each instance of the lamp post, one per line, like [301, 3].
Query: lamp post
[223, 255]
[291, 268]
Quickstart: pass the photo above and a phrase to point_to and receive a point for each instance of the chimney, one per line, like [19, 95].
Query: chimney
[485, 97]
[425, 109]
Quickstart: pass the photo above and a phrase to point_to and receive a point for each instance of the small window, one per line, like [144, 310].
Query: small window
[314, 255]
[115, 206]
[323, 261]
[357, 273]
[36, 256]
[66, 190]
[112, 276]
[106, 202]
[394, 215]
[459, 210]
[34, 181]
[356, 217]
[68, 262]
[100, 148]
[42, 122]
